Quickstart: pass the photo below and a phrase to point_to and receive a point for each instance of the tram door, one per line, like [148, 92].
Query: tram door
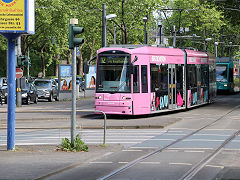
[172, 94]
[198, 84]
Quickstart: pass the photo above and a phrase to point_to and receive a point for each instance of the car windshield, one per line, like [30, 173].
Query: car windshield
[42, 84]
[113, 74]
[221, 73]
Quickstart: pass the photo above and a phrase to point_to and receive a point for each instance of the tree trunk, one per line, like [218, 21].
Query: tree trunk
[80, 62]
[43, 63]
[56, 64]
[69, 56]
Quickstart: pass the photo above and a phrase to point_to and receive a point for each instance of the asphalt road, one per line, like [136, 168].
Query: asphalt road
[177, 160]
[142, 155]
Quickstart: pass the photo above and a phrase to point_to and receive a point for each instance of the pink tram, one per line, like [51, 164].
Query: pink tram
[144, 80]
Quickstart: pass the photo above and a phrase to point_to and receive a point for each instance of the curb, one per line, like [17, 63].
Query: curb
[95, 127]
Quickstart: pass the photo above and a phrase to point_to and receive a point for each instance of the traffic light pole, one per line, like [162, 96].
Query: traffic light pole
[73, 42]
[73, 120]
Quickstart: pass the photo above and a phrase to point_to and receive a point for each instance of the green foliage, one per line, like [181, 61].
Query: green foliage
[78, 145]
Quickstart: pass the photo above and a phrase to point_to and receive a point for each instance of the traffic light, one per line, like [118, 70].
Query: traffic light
[73, 31]
[23, 61]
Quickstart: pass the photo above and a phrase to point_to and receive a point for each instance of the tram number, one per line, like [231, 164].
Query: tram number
[161, 59]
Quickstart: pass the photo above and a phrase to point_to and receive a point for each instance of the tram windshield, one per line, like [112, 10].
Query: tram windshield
[221, 73]
[113, 74]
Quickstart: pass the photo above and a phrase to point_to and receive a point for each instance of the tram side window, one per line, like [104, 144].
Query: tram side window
[230, 74]
[154, 78]
[136, 79]
[179, 84]
[159, 78]
[144, 79]
[204, 75]
[192, 76]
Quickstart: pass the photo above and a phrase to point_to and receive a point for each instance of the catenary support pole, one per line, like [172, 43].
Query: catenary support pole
[104, 26]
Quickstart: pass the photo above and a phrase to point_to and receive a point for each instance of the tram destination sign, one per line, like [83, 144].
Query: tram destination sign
[17, 16]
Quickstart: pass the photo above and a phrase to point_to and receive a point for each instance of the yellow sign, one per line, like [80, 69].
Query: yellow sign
[12, 15]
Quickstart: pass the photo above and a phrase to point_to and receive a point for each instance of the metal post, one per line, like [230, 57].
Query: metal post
[105, 128]
[104, 26]
[73, 120]
[193, 36]
[174, 36]
[215, 48]
[11, 93]
[145, 33]
[18, 93]
[28, 74]
[115, 42]
[160, 34]
[222, 45]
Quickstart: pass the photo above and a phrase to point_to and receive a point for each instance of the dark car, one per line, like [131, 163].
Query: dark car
[3, 90]
[29, 94]
[80, 83]
[47, 89]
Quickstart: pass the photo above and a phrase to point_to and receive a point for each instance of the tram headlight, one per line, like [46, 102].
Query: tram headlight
[125, 98]
[225, 85]
[99, 97]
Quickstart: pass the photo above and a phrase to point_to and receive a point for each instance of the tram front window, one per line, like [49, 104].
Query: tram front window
[221, 73]
[113, 74]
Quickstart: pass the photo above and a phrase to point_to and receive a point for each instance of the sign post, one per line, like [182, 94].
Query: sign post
[16, 18]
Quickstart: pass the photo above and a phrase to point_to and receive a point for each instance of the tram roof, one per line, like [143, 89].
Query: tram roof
[145, 50]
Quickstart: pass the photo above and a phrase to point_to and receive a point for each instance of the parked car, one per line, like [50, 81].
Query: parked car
[80, 83]
[47, 89]
[3, 90]
[29, 94]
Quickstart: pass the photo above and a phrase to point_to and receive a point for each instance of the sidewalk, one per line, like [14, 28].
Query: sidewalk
[39, 162]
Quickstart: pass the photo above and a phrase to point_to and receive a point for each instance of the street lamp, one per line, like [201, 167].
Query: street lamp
[145, 20]
[205, 43]
[104, 24]
[160, 32]
[111, 16]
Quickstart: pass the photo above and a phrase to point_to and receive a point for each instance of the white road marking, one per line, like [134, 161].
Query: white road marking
[215, 166]
[205, 140]
[170, 150]
[194, 151]
[227, 149]
[211, 135]
[161, 139]
[187, 164]
[144, 147]
[122, 162]
[99, 162]
[131, 150]
[108, 153]
[149, 162]
[192, 148]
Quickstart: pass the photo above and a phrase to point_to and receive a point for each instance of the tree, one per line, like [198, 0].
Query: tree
[201, 18]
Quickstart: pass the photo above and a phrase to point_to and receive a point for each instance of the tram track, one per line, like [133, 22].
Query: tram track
[197, 167]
